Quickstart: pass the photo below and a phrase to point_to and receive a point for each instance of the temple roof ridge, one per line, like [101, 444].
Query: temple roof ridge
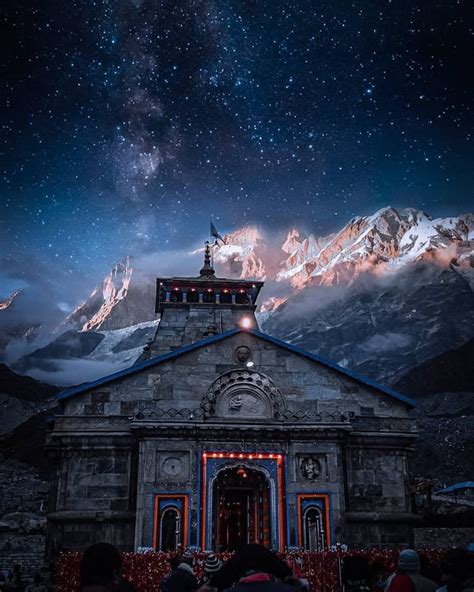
[137, 367]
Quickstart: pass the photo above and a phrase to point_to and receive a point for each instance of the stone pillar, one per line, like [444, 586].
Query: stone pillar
[140, 498]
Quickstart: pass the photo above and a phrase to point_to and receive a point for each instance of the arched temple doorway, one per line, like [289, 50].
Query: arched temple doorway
[241, 508]
[314, 530]
[170, 529]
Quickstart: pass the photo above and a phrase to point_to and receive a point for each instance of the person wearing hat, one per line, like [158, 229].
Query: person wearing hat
[254, 568]
[211, 567]
[408, 577]
[181, 579]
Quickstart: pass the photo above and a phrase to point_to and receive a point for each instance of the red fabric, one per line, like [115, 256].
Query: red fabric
[145, 571]
[402, 583]
[257, 577]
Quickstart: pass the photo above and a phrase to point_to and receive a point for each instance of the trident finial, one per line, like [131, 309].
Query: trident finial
[207, 270]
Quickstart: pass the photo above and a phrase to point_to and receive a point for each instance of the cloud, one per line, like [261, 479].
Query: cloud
[76, 371]
[385, 342]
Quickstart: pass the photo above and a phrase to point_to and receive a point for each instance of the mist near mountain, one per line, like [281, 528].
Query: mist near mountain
[381, 327]
[379, 296]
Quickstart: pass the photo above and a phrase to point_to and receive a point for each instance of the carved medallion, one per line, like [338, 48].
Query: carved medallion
[172, 467]
[242, 354]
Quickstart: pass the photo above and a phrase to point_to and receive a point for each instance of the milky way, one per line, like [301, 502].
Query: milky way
[129, 123]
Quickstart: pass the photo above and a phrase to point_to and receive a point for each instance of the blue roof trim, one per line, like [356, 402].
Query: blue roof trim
[85, 386]
[334, 366]
[456, 486]
[81, 388]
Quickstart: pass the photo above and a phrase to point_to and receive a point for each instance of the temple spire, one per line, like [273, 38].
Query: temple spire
[207, 270]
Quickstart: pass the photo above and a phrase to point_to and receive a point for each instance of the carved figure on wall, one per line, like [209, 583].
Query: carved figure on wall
[235, 403]
[310, 468]
[154, 381]
[242, 354]
[244, 392]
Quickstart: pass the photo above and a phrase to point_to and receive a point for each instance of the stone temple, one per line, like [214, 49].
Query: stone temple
[221, 435]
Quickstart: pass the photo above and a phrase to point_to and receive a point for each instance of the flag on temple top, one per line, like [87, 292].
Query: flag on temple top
[215, 234]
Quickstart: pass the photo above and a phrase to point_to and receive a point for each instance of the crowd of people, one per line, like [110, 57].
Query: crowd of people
[256, 569]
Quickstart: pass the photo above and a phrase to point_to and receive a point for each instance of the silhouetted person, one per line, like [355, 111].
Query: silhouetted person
[37, 585]
[15, 581]
[457, 571]
[181, 579]
[101, 569]
[356, 575]
[254, 568]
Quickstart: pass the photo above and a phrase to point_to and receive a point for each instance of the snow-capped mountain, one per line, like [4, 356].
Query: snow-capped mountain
[380, 244]
[243, 253]
[381, 327]
[4, 304]
[79, 356]
[384, 292]
[14, 325]
[123, 298]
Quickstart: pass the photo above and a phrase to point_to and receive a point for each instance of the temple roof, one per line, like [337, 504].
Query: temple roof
[457, 487]
[139, 366]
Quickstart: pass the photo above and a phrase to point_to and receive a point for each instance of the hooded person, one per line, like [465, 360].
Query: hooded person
[408, 578]
[253, 568]
[181, 579]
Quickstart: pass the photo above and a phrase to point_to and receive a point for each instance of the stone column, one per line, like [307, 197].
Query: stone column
[140, 498]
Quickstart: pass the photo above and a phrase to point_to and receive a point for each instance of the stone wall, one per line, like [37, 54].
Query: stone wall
[444, 538]
[348, 426]
[93, 493]
[376, 479]
[23, 506]
[307, 387]
[184, 325]
[25, 550]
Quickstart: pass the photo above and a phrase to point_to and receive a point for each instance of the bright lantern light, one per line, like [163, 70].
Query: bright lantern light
[245, 323]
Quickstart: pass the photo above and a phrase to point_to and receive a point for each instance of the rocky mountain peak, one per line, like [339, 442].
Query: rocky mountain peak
[294, 241]
[243, 253]
[4, 304]
[121, 300]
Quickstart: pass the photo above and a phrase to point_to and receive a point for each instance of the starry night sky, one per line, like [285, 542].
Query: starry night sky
[129, 123]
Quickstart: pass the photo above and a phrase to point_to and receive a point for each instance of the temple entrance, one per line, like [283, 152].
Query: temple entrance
[241, 508]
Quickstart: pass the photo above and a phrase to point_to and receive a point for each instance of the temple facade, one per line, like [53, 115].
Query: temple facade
[221, 435]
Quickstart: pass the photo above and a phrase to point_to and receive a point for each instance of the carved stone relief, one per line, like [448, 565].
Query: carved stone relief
[154, 381]
[242, 354]
[149, 468]
[245, 394]
[173, 466]
[245, 404]
[311, 468]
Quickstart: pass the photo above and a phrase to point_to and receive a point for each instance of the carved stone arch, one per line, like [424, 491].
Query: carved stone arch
[243, 394]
